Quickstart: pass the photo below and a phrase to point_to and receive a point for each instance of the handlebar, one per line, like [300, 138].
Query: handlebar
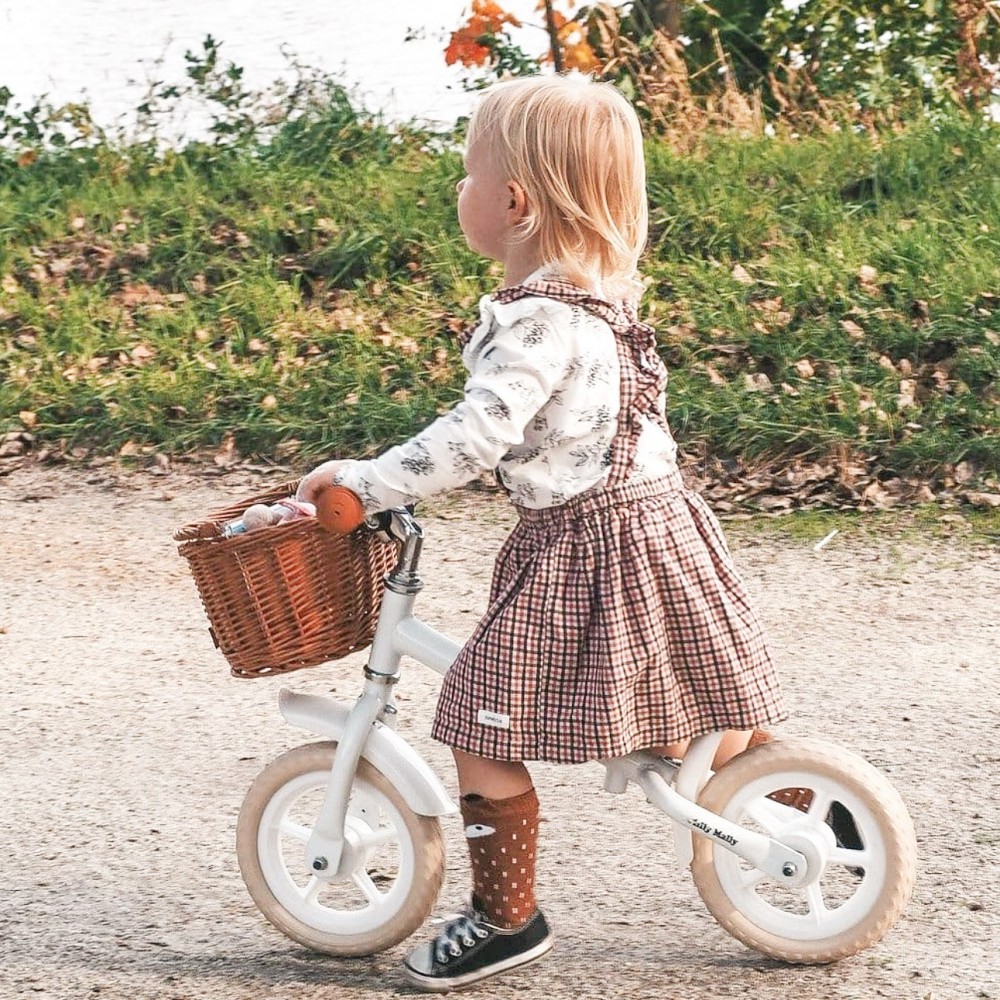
[339, 510]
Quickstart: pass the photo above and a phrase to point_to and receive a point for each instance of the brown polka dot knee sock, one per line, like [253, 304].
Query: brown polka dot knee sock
[502, 835]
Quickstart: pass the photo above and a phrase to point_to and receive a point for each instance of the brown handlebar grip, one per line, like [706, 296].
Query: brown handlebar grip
[339, 510]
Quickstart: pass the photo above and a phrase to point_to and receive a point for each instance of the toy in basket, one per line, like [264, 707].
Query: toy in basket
[289, 594]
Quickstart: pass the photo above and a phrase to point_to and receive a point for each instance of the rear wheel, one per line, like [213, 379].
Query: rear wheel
[394, 857]
[854, 829]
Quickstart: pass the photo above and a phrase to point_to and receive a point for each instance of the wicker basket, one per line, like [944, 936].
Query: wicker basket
[289, 596]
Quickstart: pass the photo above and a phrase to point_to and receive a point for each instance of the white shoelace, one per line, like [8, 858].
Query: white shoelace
[460, 934]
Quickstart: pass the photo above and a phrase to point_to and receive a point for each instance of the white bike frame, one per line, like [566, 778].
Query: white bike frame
[368, 730]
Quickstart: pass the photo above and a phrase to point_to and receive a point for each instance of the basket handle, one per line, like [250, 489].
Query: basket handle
[339, 509]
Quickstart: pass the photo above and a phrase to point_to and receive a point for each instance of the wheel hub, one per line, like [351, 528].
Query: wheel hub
[814, 841]
[353, 857]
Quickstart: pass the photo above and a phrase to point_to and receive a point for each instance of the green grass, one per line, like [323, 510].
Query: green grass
[302, 294]
[916, 525]
[911, 381]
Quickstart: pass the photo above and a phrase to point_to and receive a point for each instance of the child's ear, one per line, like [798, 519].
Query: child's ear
[517, 207]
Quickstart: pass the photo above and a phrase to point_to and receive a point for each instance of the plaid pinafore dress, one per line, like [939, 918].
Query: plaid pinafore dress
[616, 621]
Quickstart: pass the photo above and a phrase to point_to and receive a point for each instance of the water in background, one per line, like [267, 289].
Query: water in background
[106, 49]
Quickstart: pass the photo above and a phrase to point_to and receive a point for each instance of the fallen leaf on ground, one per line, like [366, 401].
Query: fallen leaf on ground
[141, 353]
[905, 399]
[140, 294]
[713, 375]
[768, 305]
[757, 382]
[983, 500]
[227, 454]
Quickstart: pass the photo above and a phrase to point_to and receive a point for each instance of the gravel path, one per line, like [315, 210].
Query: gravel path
[125, 750]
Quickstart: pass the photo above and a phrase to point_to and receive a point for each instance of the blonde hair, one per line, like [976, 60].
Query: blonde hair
[575, 147]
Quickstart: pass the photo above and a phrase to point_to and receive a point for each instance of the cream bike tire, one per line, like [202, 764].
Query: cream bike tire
[855, 892]
[395, 857]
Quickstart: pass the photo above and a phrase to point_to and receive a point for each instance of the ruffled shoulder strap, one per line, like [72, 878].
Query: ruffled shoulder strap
[643, 374]
[621, 317]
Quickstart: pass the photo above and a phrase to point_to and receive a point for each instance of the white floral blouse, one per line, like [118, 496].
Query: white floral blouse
[541, 408]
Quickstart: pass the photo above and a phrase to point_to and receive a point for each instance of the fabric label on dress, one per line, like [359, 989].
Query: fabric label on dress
[494, 719]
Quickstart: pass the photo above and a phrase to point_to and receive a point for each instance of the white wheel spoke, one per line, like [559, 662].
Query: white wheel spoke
[820, 805]
[382, 836]
[370, 890]
[751, 878]
[817, 907]
[311, 890]
[768, 815]
[854, 859]
[295, 830]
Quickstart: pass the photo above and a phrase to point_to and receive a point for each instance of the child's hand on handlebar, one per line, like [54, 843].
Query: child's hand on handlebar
[338, 508]
[321, 478]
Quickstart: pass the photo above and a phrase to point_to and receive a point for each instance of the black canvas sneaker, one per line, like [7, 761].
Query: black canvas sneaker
[470, 949]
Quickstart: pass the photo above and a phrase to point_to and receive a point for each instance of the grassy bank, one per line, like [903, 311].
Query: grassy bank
[815, 297]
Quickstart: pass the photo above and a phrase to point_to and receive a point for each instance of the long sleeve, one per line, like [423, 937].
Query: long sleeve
[514, 370]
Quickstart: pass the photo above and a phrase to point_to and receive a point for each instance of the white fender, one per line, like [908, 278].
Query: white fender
[385, 749]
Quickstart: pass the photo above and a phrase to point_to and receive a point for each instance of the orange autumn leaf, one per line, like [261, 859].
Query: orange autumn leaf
[465, 49]
[576, 51]
[570, 32]
[494, 13]
[573, 46]
[580, 57]
[466, 44]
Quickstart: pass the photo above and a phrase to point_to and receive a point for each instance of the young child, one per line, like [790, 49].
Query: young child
[616, 621]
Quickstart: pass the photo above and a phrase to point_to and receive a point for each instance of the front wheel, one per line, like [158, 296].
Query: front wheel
[850, 823]
[394, 857]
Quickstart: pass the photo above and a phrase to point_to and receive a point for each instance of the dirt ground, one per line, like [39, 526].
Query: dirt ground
[126, 748]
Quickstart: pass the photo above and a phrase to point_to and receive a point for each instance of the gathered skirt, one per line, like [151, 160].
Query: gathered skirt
[616, 622]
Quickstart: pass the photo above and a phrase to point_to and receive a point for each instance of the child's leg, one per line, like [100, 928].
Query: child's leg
[492, 779]
[735, 741]
[500, 811]
[504, 928]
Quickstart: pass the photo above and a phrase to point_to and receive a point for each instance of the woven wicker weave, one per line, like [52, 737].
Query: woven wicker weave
[288, 596]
